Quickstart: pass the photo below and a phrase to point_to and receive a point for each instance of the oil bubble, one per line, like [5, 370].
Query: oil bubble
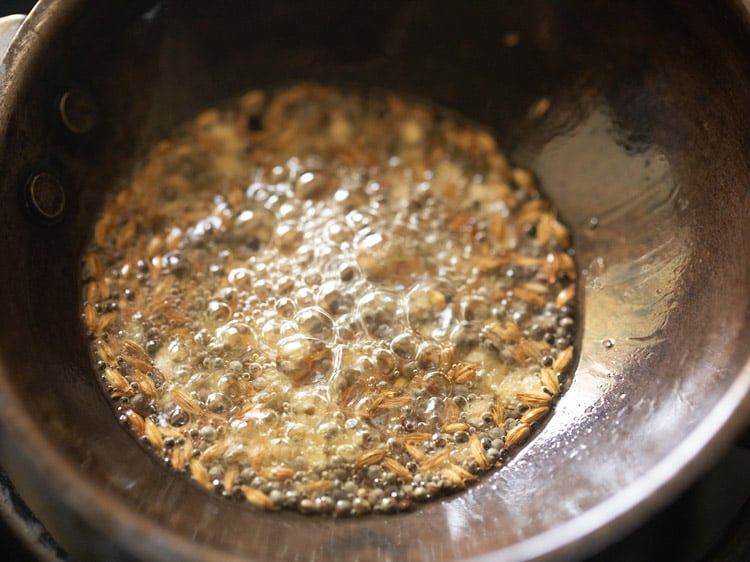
[405, 345]
[298, 356]
[428, 308]
[377, 311]
[315, 322]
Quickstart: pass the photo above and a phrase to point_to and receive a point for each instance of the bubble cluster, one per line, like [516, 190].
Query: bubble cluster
[330, 301]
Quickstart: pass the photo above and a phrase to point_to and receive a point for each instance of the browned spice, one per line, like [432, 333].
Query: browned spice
[330, 301]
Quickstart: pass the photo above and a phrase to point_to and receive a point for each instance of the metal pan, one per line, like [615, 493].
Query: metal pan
[645, 150]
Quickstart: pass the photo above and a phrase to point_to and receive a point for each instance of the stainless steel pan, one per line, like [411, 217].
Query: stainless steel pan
[645, 149]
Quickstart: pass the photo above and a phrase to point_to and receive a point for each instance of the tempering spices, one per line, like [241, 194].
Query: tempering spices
[330, 301]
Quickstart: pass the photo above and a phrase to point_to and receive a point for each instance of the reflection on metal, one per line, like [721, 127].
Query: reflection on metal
[78, 111]
[631, 262]
[8, 27]
[46, 197]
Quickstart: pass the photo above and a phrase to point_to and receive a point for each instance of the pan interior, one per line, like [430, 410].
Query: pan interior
[643, 150]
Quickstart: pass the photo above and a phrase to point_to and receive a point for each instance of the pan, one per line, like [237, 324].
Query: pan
[643, 146]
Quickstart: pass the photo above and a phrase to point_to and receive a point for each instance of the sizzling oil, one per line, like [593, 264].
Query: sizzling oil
[330, 301]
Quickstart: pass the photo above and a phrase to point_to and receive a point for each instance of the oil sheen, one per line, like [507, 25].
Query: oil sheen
[331, 301]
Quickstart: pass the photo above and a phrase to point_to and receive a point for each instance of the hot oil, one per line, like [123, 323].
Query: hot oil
[330, 301]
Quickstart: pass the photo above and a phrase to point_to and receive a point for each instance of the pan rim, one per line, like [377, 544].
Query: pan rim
[586, 532]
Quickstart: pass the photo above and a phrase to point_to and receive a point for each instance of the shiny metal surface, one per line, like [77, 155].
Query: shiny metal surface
[8, 27]
[644, 149]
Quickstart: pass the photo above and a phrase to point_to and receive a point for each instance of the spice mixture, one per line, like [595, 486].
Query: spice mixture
[330, 301]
